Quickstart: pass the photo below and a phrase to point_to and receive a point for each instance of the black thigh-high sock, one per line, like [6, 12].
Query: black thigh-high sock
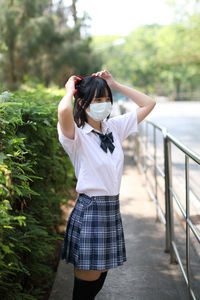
[87, 290]
[101, 280]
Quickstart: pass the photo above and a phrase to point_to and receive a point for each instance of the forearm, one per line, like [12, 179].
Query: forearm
[139, 98]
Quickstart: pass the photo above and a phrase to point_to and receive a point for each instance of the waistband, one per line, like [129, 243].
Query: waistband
[101, 198]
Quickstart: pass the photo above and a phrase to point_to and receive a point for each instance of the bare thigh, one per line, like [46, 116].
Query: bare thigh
[88, 274]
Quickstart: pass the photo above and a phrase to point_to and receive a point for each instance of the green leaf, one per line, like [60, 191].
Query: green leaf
[2, 157]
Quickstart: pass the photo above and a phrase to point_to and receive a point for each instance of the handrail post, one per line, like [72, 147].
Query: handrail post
[166, 171]
[170, 203]
[155, 173]
[187, 225]
[137, 145]
[145, 154]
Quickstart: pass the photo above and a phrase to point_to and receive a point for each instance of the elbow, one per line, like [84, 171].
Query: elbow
[153, 102]
[151, 105]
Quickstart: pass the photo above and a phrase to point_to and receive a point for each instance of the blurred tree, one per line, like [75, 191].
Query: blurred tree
[182, 9]
[74, 11]
[41, 46]
[141, 51]
[179, 57]
[133, 61]
[157, 59]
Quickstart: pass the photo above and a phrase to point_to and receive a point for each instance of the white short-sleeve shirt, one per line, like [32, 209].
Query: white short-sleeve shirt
[99, 173]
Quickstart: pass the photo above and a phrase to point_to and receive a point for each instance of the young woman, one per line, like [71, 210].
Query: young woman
[94, 238]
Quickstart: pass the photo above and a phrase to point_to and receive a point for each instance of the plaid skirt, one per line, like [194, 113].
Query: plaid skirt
[94, 237]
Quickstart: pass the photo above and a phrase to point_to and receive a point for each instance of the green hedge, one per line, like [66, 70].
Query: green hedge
[35, 175]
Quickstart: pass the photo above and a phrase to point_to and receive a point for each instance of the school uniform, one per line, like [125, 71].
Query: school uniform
[94, 237]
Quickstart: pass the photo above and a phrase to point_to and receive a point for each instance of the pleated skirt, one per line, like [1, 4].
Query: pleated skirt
[94, 237]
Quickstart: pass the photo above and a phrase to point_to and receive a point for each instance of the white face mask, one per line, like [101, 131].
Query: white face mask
[99, 111]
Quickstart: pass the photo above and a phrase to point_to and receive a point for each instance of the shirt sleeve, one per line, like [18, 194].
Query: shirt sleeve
[70, 146]
[125, 124]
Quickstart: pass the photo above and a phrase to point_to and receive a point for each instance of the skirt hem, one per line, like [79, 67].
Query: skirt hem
[97, 267]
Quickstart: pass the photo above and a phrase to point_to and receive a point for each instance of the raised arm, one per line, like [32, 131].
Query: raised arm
[145, 103]
[65, 109]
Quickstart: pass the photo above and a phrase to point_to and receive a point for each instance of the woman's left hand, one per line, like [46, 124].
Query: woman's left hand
[106, 76]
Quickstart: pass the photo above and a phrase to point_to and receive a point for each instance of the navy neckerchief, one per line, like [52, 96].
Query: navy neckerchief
[106, 141]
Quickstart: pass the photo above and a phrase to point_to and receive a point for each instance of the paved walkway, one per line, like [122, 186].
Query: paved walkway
[147, 274]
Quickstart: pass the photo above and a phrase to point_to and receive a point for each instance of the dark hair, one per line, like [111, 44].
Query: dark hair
[88, 88]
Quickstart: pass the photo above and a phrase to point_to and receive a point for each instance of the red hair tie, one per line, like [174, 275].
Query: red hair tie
[76, 82]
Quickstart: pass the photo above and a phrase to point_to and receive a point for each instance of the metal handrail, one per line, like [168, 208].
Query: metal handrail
[166, 216]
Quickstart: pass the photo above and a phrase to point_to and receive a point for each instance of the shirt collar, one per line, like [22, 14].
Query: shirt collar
[88, 128]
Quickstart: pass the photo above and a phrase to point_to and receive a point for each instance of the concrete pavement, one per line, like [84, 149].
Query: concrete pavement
[147, 273]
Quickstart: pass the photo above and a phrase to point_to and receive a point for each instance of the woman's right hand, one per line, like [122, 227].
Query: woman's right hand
[70, 84]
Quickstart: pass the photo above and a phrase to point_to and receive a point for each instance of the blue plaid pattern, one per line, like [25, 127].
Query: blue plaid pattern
[94, 237]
